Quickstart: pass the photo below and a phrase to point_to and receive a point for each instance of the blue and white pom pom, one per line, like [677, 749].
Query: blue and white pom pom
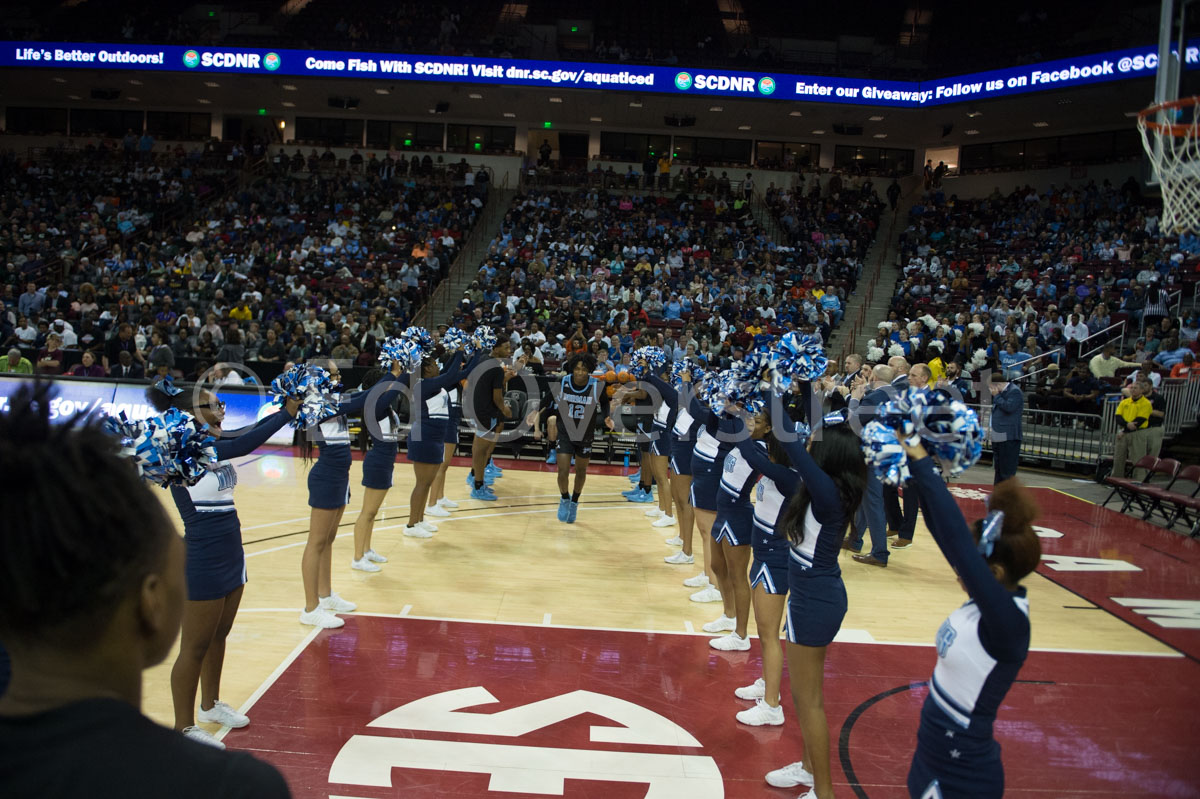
[654, 357]
[755, 367]
[406, 352]
[797, 356]
[884, 455]
[455, 339]
[484, 338]
[421, 337]
[313, 386]
[173, 448]
[949, 429]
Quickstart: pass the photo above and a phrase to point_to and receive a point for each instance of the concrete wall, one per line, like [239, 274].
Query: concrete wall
[969, 186]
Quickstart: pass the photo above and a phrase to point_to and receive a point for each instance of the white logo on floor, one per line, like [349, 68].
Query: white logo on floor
[369, 759]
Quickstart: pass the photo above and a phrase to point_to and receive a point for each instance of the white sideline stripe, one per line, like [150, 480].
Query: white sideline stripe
[267, 683]
[546, 619]
[688, 624]
[691, 628]
[404, 611]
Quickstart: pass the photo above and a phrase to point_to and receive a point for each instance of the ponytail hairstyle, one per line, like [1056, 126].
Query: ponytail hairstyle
[775, 450]
[1017, 548]
[165, 395]
[837, 450]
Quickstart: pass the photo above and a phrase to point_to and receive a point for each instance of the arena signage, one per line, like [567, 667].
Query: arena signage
[1065, 73]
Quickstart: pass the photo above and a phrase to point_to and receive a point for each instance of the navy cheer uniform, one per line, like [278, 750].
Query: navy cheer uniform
[735, 511]
[682, 442]
[329, 478]
[380, 460]
[981, 648]
[212, 532]
[770, 547]
[708, 458]
[664, 416]
[427, 436]
[577, 408]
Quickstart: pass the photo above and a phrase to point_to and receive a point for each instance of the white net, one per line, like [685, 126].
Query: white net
[1171, 137]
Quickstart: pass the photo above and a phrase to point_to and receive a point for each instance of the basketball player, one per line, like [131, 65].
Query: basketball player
[570, 419]
[488, 412]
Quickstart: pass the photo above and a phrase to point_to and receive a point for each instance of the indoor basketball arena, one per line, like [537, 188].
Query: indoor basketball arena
[709, 399]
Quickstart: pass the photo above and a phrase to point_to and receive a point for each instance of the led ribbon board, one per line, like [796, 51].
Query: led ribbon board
[1116, 65]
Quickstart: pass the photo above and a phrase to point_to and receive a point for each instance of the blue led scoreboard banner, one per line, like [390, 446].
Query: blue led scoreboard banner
[1116, 65]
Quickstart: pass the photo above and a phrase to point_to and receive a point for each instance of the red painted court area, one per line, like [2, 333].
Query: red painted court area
[1139, 572]
[401, 707]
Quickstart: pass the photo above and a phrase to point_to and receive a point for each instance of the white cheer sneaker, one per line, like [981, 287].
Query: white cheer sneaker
[761, 715]
[790, 776]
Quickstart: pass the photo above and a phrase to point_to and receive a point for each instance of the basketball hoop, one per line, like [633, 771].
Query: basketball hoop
[1171, 135]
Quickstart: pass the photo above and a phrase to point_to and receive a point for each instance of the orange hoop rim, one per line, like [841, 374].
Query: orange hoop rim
[1180, 131]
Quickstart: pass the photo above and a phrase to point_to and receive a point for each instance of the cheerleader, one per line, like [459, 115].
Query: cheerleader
[660, 449]
[682, 440]
[377, 467]
[832, 475]
[708, 459]
[215, 561]
[570, 419]
[768, 575]
[982, 645]
[439, 504]
[328, 494]
[427, 436]
[732, 531]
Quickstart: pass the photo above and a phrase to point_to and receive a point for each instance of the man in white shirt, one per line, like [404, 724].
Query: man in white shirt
[1075, 330]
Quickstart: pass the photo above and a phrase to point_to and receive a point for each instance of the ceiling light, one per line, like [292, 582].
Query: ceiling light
[286, 104]
[135, 82]
[795, 114]
[818, 132]
[288, 87]
[1131, 114]
[716, 108]
[596, 119]
[743, 127]
[74, 97]
[202, 101]
[475, 96]
[1041, 124]
[635, 103]
[383, 91]
[879, 136]
[973, 113]
[133, 99]
[60, 80]
[876, 118]
[1065, 101]
[556, 99]
[212, 84]
[509, 115]
[971, 132]
[433, 110]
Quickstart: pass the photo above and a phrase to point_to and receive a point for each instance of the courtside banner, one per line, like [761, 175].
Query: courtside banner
[1080, 71]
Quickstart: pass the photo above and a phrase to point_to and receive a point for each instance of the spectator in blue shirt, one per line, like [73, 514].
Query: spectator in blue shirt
[1171, 353]
[1009, 359]
[832, 305]
[673, 308]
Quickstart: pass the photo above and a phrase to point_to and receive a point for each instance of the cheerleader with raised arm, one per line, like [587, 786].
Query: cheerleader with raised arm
[659, 456]
[832, 472]
[427, 436]
[708, 460]
[982, 645]
[216, 562]
[377, 467]
[328, 495]
[439, 504]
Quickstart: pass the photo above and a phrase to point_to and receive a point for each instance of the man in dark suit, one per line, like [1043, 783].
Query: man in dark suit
[864, 403]
[905, 520]
[126, 368]
[1008, 402]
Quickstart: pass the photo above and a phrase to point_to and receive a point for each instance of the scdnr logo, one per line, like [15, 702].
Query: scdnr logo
[369, 760]
[683, 81]
[766, 85]
[191, 59]
[271, 62]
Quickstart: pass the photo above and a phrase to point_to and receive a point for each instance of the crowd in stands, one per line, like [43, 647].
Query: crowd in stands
[1035, 284]
[100, 277]
[592, 270]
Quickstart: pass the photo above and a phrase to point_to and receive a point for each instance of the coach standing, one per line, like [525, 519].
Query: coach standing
[1007, 404]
